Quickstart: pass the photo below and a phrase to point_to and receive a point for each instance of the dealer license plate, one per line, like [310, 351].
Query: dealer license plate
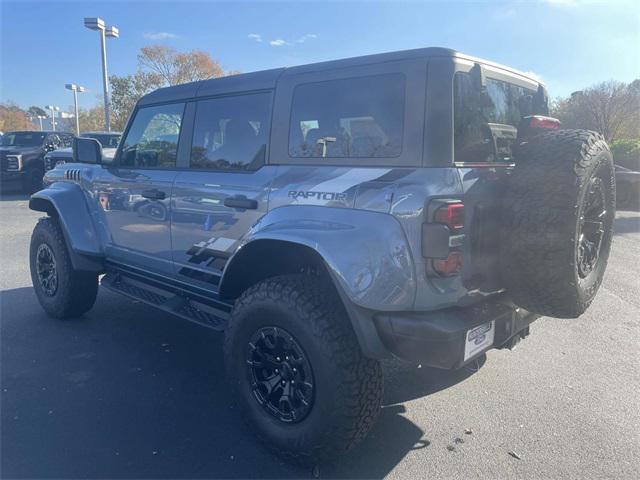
[479, 339]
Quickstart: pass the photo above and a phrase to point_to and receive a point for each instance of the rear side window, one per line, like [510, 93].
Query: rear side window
[231, 133]
[486, 123]
[152, 139]
[353, 117]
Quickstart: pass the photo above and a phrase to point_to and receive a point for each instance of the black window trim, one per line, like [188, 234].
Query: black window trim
[354, 77]
[116, 159]
[413, 69]
[195, 101]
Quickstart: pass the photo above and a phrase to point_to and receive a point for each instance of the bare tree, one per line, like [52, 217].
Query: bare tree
[611, 108]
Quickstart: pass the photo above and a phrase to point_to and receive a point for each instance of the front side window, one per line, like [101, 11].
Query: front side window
[352, 117]
[231, 133]
[486, 122]
[152, 140]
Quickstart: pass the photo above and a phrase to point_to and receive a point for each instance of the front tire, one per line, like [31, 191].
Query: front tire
[62, 291]
[294, 328]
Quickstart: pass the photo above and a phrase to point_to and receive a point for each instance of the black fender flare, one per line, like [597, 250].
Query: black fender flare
[67, 202]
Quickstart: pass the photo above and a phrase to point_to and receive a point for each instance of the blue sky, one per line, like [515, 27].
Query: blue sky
[570, 44]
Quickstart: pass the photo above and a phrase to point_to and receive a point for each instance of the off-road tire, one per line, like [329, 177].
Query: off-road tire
[348, 391]
[543, 206]
[76, 290]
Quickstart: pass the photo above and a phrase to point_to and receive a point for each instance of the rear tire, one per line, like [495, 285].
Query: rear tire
[344, 400]
[558, 222]
[62, 291]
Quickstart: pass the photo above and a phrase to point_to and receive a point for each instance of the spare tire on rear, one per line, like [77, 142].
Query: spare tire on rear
[557, 222]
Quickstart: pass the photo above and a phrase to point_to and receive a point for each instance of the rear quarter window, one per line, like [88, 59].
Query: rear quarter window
[351, 117]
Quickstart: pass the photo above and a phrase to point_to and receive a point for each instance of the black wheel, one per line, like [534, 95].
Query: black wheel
[32, 181]
[558, 222]
[298, 370]
[62, 291]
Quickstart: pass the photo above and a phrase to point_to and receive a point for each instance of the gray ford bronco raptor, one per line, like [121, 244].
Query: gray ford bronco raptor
[417, 204]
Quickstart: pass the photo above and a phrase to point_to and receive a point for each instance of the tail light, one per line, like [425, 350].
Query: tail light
[452, 215]
[544, 123]
[442, 238]
[536, 124]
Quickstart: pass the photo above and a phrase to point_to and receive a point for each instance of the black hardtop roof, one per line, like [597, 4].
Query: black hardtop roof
[266, 79]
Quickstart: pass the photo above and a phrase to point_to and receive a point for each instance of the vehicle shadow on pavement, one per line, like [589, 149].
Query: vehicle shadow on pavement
[128, 391]
[394, 435]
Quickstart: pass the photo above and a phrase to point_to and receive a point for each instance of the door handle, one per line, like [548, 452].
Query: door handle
[241, 202]
[154, 194]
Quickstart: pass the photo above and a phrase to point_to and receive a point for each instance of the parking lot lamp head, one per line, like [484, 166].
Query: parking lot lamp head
[94, 23]
[112, 32]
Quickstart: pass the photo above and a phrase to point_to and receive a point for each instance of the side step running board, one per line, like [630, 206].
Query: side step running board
[169, 300]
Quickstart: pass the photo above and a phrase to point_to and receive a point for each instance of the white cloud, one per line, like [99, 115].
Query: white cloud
[308, 36]
[278, 43]
[255, 36]
[160, 35]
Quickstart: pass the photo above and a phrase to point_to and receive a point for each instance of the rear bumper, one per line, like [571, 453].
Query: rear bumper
[437, 339]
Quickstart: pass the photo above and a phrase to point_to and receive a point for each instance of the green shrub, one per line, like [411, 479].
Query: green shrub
[626, 153]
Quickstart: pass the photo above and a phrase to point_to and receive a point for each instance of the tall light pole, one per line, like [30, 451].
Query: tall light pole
[112, 32]
[75, 89]
[40, 117]
[53, 109]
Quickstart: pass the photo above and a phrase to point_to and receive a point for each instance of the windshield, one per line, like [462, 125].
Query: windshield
[23, 139]
[106, 140]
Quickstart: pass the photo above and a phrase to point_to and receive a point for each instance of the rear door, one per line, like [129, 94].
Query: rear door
[134, 192]
[225, 188]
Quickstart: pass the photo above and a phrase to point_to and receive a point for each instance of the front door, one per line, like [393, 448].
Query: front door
[225, 190]
[135, 191]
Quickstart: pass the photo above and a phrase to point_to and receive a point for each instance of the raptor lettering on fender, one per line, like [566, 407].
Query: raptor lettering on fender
[297, 194]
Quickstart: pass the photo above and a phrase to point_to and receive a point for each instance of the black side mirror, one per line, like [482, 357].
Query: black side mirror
[87, 150]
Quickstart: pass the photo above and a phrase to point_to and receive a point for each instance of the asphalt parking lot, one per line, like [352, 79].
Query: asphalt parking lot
[130, 392]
